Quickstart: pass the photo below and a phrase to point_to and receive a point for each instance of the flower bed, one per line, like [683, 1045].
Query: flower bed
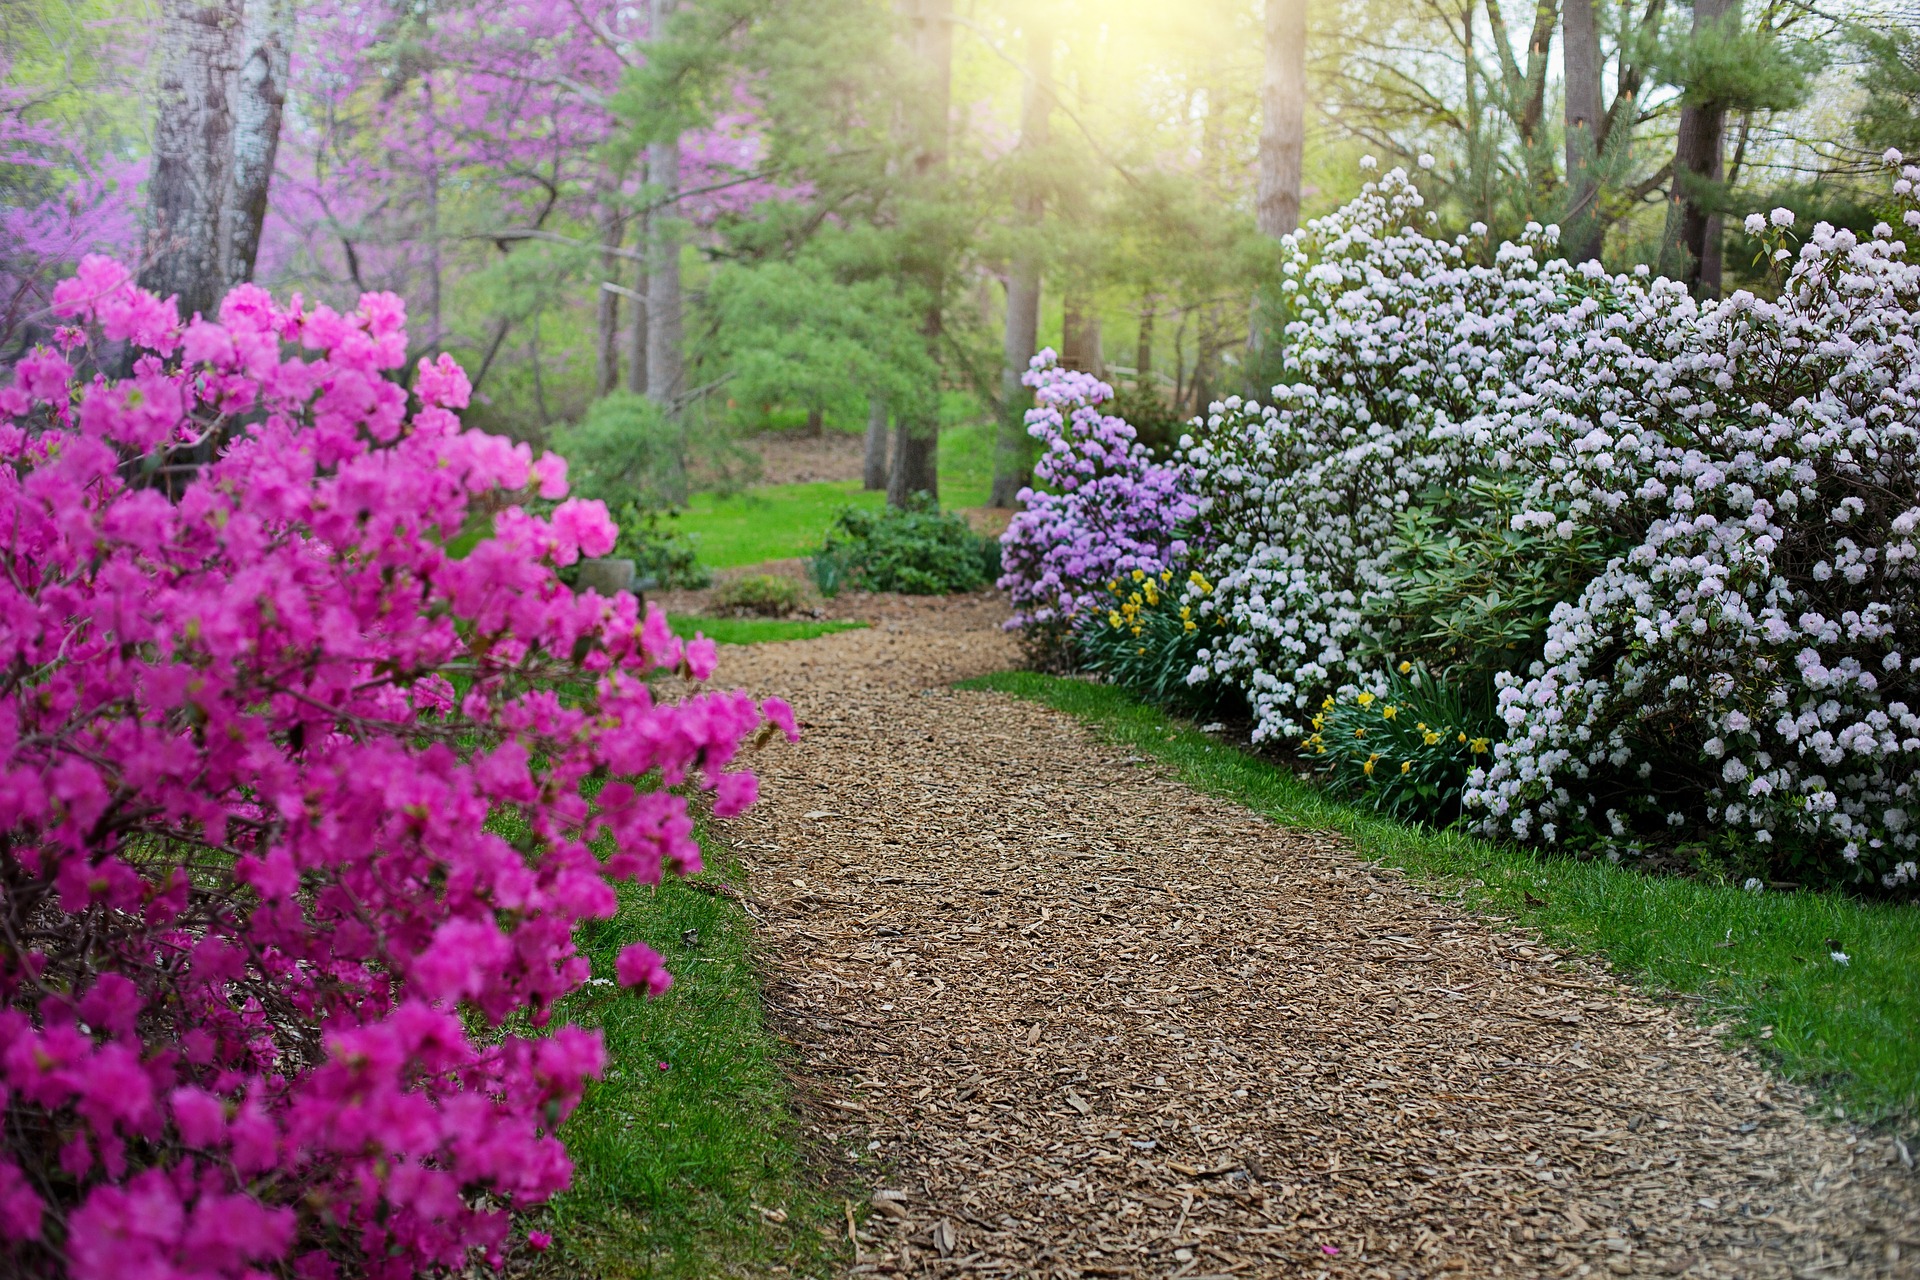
[300, 725]
[1664, 551]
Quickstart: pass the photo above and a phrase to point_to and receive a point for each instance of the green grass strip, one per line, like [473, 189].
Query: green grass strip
[1760, 961]
[689, 1135]
[755, 630]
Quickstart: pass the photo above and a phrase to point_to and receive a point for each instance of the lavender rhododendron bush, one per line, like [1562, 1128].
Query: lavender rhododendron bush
[276, 991]
[1105, 508]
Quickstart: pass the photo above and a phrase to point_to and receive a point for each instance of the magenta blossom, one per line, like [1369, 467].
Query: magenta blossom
[298, 726]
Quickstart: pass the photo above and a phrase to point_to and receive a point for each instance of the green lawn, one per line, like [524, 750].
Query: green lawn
[755, 630]
[1759, 961]
[784, 521]
[688, 1138]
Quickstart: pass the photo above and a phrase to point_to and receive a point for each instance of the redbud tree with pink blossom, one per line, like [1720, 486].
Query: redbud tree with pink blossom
[311, 765]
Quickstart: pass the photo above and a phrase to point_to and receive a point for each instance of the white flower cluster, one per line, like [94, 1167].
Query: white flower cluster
[1747, 660]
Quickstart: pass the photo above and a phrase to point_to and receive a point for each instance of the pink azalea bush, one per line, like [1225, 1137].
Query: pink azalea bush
[298, 725]
[1105, 507]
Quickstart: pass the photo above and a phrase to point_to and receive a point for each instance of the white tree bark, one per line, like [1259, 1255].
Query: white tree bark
[259, 96]
[183, 255]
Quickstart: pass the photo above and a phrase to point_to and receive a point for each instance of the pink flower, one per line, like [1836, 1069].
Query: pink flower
[733, 793]
[539, 1241]
[21, 1208]
[641, 966]
[551, 472]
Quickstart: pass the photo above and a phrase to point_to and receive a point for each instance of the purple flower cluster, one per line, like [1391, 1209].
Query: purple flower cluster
[1105, 507]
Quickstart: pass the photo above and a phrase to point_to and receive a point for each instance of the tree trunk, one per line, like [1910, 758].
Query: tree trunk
[1080, 336]
[665, 374]
[637, 331]
[606, 347]
[874, 468]
[260, 93]
[1283, 118]
[1580, 228]
[1143, 347]
[1690, 250]
[192, 152]
[1011, 455]
[916, 451]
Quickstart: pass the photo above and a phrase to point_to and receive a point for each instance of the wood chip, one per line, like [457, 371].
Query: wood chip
[1076, 998]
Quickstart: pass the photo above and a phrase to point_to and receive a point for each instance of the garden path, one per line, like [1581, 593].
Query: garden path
[1092, 1023]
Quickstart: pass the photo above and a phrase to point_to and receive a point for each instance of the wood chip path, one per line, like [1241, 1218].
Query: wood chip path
[1089, 1022]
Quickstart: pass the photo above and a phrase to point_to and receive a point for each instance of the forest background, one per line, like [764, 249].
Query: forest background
[647, 226]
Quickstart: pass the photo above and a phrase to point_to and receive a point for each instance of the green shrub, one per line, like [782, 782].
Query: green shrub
[626, 451]
[1148, 640]
[763, 595]
[1406, 749]
[663, 557]
[915, 550]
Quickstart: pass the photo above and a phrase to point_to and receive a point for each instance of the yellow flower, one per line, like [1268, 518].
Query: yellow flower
[1113, 617]
[1141, 650]
[1390, 712]
[1166, 575]
[1405, 765]
[1405, 667]
[1478, 746]
[1189, 626]
[1114, 585]
[1138, 576]
[1432, 737]
[1153, 597]
[1368, 766]
[1364, 699]
[1318, 721]
[1359, 733]
[1422, 726]
[1186, 611]
[1463, 737]
[1136, 631]
[1328, 703]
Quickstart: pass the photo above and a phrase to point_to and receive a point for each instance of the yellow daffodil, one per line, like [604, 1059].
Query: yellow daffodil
[1431, 737]
[1364, 699]
[1318, 721]
[1368, 766]
[1189, 626]
[1405, 765]
[1138, 576]
[1113, 618]
[1166, 575]
[1328, 703]
[1478, 746]
[1405, 667]
[1359, 733]
[1463, 737]
[1390, 712]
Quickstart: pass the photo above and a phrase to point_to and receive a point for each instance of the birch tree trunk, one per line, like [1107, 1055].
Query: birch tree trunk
[666, 373]
[184, 254]
[637, 330]
[916, 449]
[1690, 249]
[1581, 228]
[1283, 118]
[1011, 467]
[259, 96]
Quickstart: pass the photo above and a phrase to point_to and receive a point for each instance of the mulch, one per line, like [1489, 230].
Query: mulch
[1090, 1022]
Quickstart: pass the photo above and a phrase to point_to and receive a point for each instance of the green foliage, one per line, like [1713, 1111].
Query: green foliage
[663, 556]
[916, 550]
[1474, 594]
[768, 522]
[1740, 67]
[626, 451]
[1148, 640]
[1757, 960]
[1890, 116]
[1405, 750]
[763, 595]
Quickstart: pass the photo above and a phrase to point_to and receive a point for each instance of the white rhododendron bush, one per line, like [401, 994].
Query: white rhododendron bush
[1720, 496]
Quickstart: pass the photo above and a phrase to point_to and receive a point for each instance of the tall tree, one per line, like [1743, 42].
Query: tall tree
[185, 254]
[1690, 249]
[259, 97]
[1283, 118]
[1011, 454]
[606, 311]
[666, 355]
[1580, 228]
[916, 446]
